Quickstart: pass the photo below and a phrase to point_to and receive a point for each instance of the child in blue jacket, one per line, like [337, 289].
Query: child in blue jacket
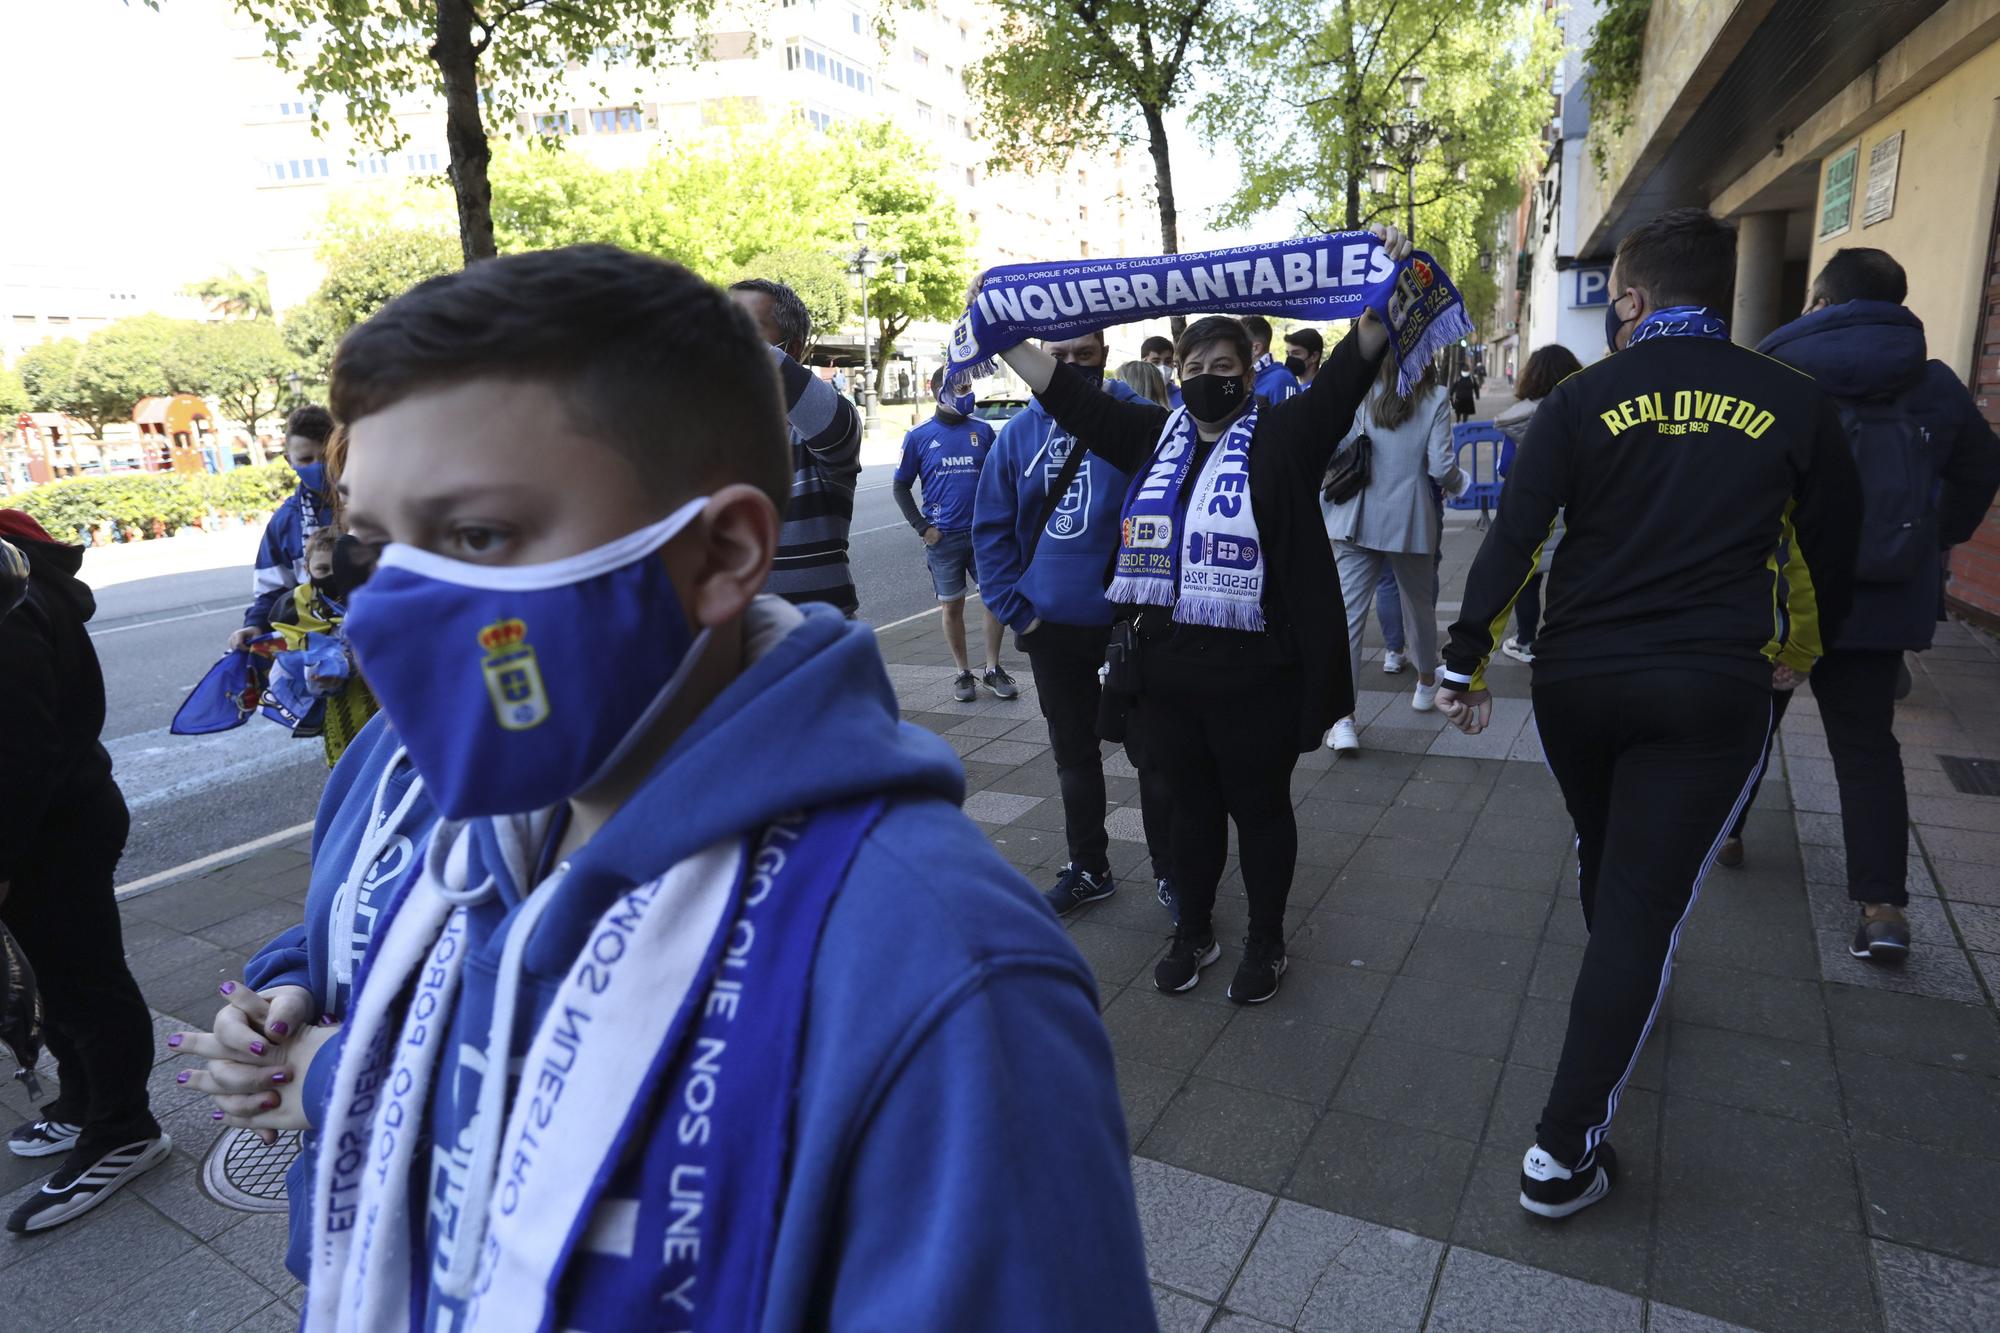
[281, 556]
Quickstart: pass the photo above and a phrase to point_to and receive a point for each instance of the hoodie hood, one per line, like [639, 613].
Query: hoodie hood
[53, 569]
[1114, 386]
[1860, 349]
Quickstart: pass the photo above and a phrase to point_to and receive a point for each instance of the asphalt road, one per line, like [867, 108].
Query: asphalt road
[164, 609]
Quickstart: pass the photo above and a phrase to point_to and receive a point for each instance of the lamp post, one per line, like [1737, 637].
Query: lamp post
[294, 380]
[1406, 138]
[863, 265]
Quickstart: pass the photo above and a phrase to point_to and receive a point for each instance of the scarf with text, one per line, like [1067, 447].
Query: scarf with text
[1335, 276]
[1679, 321]
[1215, 574]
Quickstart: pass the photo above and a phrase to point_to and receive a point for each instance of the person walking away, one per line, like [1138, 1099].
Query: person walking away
[1464, 397]
[812, 563]
[945, 455]
[1304, 350]
[63, 824]
[1929, 467]
[281, 556]
[1546, 368]
[1392, 524]
[1227, 708]
[1159, 351]
[1274, 383]
[1681, 463]
[1145, 379]
[676, 935]
[1046, 529]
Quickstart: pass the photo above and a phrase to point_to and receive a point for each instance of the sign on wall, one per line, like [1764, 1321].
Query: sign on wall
[1883, 161]
[1836, 211]
[1590, 286]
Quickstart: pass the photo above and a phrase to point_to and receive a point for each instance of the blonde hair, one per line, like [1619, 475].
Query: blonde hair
[321, 542]
[1146, 380]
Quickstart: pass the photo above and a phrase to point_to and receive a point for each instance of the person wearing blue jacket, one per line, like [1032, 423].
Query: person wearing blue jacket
[1043, 570]
[281, 556]
[1275, 382]
[1159, 351]
[705, 1007]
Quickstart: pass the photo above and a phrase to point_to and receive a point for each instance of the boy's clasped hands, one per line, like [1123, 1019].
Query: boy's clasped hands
[257, 1056]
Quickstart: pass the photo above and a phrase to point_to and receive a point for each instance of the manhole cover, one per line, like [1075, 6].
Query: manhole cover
[241, 1173]
[1974, 777]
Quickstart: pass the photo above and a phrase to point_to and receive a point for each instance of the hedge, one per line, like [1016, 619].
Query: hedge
[154, 504]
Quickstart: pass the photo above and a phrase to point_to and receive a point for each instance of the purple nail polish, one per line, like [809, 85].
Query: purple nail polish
[174, 1040]
[326, 1020]
[270, 1104]
[280, 1076]
[256, 1048]
[228, 988]
[181, 1077]
[279, 1027]
[215, 1115]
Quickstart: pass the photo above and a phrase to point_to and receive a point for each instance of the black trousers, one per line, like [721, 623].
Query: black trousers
[1229, 754]
[1064, 660]
[1856, 693]
[1654, 766]
[62, 909]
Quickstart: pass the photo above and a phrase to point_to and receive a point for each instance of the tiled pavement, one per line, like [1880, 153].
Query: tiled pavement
[1809, 1144]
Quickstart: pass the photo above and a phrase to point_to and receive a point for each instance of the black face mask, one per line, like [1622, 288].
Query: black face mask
[353, 561]
[1297, 365]
[1611, 326]
[1212, 398]
[1095, 374]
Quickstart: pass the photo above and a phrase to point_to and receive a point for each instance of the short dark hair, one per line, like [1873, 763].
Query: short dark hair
[310, 422]
[1215, 329]
[1309, 339]
[1860, 274]
[1156, 344]
[1685, 256]
[645, 356]
[1258, 328]
[1546, 368]
[794, 321]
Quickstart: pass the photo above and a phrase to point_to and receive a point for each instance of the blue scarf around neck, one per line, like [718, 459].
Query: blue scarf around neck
[1679, 321]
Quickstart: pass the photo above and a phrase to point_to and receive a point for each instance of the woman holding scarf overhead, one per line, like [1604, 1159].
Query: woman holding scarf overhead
[1234, 608]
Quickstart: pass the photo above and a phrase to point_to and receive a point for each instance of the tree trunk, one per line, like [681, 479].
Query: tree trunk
[1352, 137]
[464, 134]
[1163, 185]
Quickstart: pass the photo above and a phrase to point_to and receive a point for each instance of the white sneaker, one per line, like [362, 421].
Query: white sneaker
[1393, 662]
[1425, 699]
[1343, 739]
[1514, 650]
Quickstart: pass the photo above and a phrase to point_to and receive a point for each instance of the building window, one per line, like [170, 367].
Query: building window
[1081, 179]
[806, 56]
[1084, 248]
[925, 115]
[1082, 213]
[295, 108]
[854, 19]
[921, 57]
[420, 162]
[617, 120]
[971, 176]
[821, 119]
[553, 122]
[375, 164]
[951, 124]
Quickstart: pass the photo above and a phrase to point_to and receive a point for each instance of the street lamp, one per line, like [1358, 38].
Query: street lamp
[296, 397]
[1413, 87]
[1407, 137]
[1485, 261]
[863, 264]
[1378, 176]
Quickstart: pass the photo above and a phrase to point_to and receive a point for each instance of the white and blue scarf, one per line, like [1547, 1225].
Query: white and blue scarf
[1336, 276]
[1679, 321]
[1213, 572]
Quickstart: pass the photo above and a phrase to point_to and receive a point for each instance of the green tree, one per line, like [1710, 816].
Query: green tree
[368, 258]
[48, 373]
[235, 295]
[894, 188]
[122, 363]
[239, 364]
[817, 276]
[1071, 76]
[13, 402]
[491, 64]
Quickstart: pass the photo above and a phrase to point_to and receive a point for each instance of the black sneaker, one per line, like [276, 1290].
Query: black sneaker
[1882, 939]
[1730, 853]
[1550, 1189]
[1257, 975]
[42, 1138]
[1165, 889]
[80, 1186]
[997, 680]
[964, 688]
[1186, 956]
[1075, 887]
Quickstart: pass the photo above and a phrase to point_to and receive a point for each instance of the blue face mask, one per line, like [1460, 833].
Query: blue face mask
[313, 475]
[958, 404]
[518, 686]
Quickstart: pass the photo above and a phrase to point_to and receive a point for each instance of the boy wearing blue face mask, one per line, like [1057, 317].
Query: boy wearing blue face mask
[281, 558]
[637, 1057]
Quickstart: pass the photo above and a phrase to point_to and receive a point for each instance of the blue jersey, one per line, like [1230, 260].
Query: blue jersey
[1274, 383]
[946, 458]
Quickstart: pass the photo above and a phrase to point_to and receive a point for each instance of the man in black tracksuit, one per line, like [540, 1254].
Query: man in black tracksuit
[1681, 465]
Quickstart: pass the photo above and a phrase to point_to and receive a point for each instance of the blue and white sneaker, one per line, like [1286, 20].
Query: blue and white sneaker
[80, 1186]
[1075, 887]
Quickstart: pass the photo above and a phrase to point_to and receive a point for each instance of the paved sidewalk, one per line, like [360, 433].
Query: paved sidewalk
[1810, 1144]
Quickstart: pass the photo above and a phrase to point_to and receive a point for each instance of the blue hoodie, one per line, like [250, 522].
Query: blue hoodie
[1875, 349]
[1065, 583]
[957, 1125]
[356, 799]
[1274, 383]
[281, 556]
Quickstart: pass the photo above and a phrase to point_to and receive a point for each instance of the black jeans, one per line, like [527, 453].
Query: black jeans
[1064, 660]
[1856, 693]
[1229, 754]
[1654, 766]
[62, 910]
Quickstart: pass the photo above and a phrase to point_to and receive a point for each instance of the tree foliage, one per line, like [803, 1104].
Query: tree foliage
[908, 220]
[817, 276]
[100, 380]
[238, 365]
[1611, 70]
[493, 65]
[370, 254]
[235, 295]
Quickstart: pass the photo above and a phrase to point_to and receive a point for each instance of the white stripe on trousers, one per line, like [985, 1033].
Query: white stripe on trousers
[1596, 1133]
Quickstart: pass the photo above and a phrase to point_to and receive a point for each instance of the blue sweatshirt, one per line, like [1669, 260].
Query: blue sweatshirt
[1065, 583]
[356, 800]
[281, 556]
[1274, 383]
[946, 457]
[957, 1124]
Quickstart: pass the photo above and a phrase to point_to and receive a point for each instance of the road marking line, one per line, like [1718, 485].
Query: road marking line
[165, 620]
[907, 619]
[242, 851]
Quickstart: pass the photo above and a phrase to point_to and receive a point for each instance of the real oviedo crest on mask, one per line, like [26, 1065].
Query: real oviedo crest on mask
[518, 686]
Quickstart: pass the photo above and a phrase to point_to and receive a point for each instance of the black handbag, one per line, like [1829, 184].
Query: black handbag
[1349, 472]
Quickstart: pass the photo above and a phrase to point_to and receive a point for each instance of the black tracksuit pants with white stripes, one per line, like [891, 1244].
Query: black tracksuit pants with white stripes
[1654, 766]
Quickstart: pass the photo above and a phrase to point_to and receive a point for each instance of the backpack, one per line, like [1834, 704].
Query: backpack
[20, 1012]
[1898, 480]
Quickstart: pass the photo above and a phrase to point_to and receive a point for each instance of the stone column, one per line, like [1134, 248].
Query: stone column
[1760, 271]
